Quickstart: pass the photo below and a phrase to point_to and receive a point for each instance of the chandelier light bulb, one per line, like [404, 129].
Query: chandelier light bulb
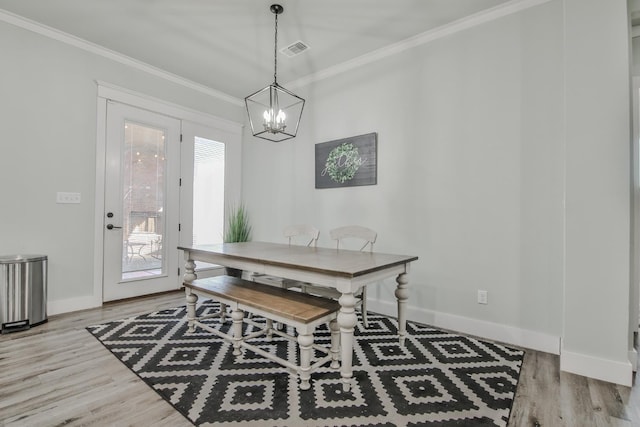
[274, 122]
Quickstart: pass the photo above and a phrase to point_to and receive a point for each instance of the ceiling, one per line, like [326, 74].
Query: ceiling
[227, 45]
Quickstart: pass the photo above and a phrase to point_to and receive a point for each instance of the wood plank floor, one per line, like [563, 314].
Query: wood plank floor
[58, 374]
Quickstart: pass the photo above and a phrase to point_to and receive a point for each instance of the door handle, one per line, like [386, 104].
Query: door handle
[111, 227]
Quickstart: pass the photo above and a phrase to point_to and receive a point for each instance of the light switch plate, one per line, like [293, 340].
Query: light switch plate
[483, 297]
[62, 197]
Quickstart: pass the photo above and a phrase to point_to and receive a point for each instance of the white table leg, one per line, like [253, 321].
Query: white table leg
[347, 320]
[191, 308]
[402, 294]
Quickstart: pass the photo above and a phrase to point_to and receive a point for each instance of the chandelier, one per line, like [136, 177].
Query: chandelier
[274, 112]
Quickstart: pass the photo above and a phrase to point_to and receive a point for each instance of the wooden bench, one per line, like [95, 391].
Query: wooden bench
[302, 311]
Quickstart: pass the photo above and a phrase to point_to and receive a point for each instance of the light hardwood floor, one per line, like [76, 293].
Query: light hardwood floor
[58, 374]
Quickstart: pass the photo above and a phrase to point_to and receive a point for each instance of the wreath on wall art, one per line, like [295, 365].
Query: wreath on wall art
[343, 162]
[347, 162]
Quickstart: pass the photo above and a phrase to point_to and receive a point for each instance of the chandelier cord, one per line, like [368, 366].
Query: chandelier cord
[275, 54]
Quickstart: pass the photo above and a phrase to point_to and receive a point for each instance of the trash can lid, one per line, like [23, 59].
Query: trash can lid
[12, 259]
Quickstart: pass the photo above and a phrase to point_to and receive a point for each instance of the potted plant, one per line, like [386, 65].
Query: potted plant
[238, 230]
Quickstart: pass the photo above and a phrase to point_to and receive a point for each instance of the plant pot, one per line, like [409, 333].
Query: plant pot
[234, 272]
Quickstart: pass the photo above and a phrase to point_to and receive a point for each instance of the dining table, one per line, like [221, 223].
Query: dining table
[344, 270]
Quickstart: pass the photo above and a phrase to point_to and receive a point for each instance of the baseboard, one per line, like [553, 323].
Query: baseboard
[594, 367]
[633, 359]
[483, 329]
[72, 304]
[82, 303]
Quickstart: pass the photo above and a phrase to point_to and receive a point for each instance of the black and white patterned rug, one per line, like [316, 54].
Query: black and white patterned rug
[436, 378]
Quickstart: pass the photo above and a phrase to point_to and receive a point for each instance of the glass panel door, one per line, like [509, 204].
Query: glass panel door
[141, 202]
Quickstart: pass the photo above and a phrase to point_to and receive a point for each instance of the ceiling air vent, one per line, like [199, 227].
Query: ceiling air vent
[295, 48]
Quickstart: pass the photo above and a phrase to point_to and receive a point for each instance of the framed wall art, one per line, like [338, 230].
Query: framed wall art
[347, 162]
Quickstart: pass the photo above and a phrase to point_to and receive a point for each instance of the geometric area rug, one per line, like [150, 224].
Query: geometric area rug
[436, 379]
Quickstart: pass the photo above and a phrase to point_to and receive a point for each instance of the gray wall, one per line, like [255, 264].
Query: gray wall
[495, 157]
[597, 184]
[48, 100]
[469, 168]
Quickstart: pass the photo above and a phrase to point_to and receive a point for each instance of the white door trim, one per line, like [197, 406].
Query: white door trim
[634, 293]
[126, 96]
[108, 91]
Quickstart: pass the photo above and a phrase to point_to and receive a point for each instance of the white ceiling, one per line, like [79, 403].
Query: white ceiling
[227, 45]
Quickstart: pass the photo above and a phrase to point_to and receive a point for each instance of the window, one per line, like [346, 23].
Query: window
[208, 191]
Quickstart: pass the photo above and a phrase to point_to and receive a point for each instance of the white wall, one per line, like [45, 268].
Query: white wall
[472, 158]
[634, 291]
[469, 168]
[597, 188]
[47, 144]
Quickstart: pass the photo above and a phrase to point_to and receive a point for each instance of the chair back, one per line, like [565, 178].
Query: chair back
[303, 231]
[364, 234]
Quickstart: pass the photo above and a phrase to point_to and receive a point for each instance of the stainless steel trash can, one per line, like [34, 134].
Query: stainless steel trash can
[23, 291]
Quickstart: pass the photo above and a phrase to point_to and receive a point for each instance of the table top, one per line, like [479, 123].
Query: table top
[339, 262]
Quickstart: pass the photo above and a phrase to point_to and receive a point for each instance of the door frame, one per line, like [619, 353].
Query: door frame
[634, 285]
[106, 92]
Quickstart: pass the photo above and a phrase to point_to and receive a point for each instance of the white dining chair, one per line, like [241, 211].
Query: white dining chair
[299, 234]
[365, 238]
[304, 231]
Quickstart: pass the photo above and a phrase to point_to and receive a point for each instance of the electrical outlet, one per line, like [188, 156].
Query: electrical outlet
[67, 197]
[483, 297]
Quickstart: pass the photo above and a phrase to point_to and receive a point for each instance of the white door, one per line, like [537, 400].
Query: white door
[141, 217]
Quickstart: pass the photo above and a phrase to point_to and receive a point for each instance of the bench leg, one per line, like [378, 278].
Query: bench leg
[335, 343]
[237, 316]
[190, 271]
[223, 312]
[363, 307]
[191, 309]
[305, 342]
[269, 329]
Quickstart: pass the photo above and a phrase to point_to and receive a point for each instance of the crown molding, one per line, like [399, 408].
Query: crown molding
[470, 21]
[85, 45]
